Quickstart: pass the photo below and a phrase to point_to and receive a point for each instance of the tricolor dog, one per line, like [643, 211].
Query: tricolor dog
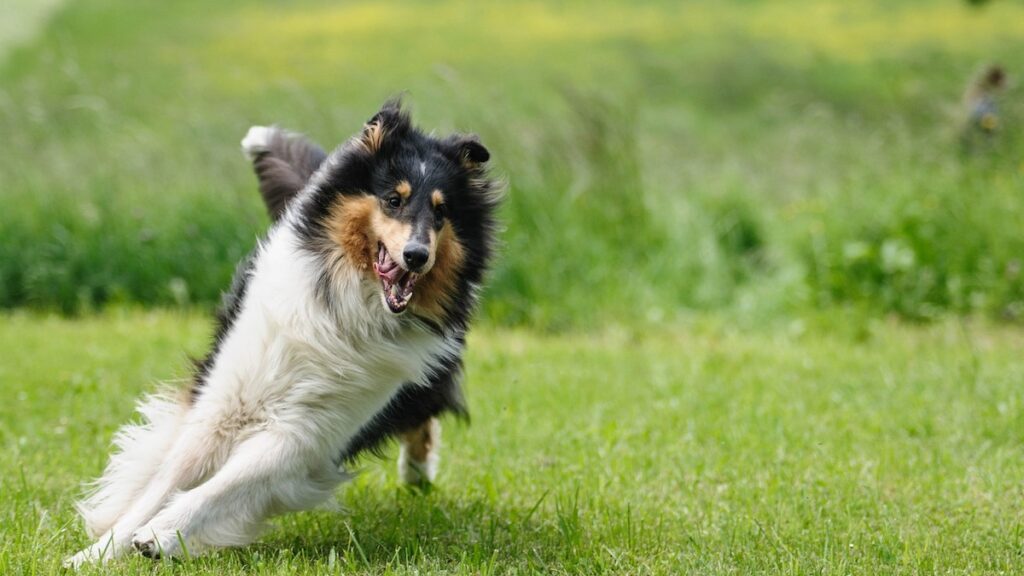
[344, 327]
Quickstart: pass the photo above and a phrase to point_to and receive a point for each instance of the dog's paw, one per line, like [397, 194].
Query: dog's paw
[76, 561]
[154, 543]
[99, 552]
[415, 473]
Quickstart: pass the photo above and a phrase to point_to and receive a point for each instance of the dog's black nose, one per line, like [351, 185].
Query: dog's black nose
[416, 255]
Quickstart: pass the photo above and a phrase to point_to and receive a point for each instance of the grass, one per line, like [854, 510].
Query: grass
[794, 167]
[824, 446]
[767, 157]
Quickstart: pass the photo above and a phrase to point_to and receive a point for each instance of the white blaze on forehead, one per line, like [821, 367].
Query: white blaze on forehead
[423, 168]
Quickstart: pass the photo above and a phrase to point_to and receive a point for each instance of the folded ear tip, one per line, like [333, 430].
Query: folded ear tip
[476, 151]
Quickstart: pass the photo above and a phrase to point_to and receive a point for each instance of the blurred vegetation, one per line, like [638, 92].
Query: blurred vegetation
[662, 157]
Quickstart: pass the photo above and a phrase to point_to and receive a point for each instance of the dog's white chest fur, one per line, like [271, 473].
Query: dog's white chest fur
[295, 378]
[289, 361]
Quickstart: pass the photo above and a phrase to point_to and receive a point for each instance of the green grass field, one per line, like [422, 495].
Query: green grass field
[761, 156]
[704, 449]
[757, 312]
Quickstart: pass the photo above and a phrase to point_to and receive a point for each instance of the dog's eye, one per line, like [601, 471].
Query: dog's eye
[394, 201]
[440, 211]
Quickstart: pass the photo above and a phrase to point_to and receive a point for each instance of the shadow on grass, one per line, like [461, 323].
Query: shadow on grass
[378, 530]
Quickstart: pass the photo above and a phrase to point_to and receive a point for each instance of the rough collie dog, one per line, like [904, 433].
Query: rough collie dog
[344, 327]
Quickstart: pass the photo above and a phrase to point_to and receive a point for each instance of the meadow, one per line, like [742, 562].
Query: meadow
[757, 310]
[765, 157]
[704, 449]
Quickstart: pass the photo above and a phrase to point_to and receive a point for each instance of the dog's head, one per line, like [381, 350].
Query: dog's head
[415, 213]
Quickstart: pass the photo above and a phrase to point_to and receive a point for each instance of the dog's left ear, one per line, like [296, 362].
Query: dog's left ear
[469, 150]
[388, 122]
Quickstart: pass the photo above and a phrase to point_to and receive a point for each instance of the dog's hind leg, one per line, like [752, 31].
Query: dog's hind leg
[412, 417]
[418, 453]
[268, 473]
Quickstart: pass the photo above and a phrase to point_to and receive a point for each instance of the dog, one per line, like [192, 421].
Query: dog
[343, 328]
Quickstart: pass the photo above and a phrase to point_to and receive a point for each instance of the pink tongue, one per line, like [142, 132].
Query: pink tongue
[388, 269]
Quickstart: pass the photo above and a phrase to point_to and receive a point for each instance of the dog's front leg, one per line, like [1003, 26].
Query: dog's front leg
[192, 452]
[266, 474]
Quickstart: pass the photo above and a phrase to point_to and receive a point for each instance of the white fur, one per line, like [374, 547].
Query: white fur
[257, 141]
[413, 471]
[292, 383]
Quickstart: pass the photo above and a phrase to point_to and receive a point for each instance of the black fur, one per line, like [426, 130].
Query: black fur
[231, 305]
[411, 407]
[455, 165]
[284, 167]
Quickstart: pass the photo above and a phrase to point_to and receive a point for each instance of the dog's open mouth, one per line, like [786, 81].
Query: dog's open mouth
[396, 281]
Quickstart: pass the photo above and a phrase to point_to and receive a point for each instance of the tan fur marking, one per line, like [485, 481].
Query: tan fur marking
[373, 136]
[435, 290]
[436, 198]
[392, 233]
[356, 224]
[419, 441]
[404, 189]
[349, 225]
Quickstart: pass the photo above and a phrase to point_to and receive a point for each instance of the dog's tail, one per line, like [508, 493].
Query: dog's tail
[283, 162]
[140, 449]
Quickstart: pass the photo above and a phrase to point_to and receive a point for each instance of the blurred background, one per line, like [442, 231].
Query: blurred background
[758, 158]
[758, 309]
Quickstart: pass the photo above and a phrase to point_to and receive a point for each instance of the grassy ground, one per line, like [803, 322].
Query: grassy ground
[814, 448]
[760, 155]
[763, 159]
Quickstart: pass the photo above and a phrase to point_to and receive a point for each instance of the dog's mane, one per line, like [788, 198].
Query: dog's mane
[286, 163]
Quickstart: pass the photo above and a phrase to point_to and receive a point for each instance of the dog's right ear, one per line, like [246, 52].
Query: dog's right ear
[283, 162]
[390, 121]
[468, 150]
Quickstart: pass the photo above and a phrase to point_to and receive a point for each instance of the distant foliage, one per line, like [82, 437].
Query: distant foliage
[937, 250]
[659, 161]
[73, 260]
